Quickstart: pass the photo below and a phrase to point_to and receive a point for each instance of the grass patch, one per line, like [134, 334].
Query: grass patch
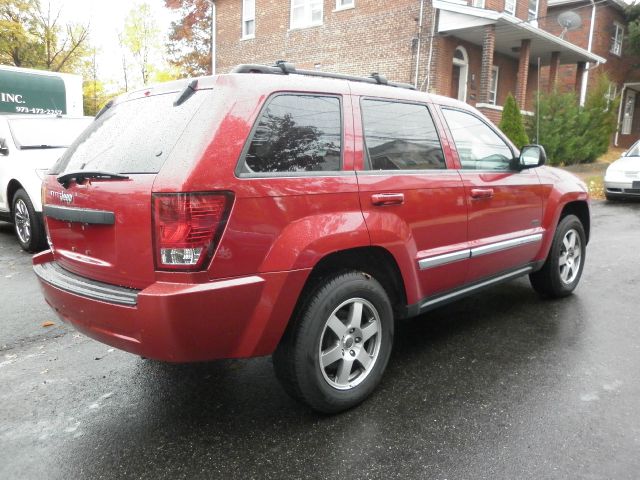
[596, 186]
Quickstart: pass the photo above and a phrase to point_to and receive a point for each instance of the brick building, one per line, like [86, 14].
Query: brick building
[607, 41]
[478, 50]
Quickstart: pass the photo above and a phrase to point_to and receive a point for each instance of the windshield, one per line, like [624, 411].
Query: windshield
[46, 132]
[135, 136]
[634, 151]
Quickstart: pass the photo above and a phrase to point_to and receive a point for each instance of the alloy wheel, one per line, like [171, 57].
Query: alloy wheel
[570, 256]
[22, 221]
[350, 343]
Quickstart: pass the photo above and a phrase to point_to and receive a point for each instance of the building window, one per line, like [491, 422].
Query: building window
[344, 4]
[248, 18]
[493, 86]
[533, 12]
[616, 41]
[306, 13]
[478, 3]
[510, 7]
[610, 96]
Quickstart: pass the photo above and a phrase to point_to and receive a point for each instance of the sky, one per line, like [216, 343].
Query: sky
[106, 18]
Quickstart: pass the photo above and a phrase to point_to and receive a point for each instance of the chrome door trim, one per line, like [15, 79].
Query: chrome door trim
[443, 259]
[505, 245]
[446, 258]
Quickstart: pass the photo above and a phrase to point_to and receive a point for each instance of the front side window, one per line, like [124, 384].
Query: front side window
[400, 136]
[478, 146]
[616, 41]
[493, 86]
[510, 7]
[306, 13]
[297, 133]
[248, 18]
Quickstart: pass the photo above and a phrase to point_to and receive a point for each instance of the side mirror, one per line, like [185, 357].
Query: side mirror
[4, 150]
[532, 156]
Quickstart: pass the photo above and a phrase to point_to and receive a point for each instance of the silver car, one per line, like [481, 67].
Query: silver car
[622, 179]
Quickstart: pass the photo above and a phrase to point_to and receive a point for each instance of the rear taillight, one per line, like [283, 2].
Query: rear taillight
[187, 228]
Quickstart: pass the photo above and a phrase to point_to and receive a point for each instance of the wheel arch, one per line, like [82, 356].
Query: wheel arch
[12, 187]
[370, 260]
[580, 209]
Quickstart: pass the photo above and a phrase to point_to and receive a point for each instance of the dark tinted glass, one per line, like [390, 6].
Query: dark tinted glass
[297, 133]
[132, 137]
[478, 146]
[400, 136]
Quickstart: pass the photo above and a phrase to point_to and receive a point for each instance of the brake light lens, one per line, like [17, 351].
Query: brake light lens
[188, 227]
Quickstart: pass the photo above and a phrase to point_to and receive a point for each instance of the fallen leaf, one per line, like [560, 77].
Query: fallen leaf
[48, 324]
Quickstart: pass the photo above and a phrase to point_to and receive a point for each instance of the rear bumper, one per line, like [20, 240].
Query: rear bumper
[177, 322]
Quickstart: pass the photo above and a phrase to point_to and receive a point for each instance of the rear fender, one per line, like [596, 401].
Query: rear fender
[302, 243]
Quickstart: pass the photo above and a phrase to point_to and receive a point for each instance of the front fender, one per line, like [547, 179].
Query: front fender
[560, 189]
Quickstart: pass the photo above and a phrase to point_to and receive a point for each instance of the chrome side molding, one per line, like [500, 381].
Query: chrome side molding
[438, 260]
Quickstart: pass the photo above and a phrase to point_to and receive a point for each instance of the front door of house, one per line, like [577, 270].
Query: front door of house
[629, 107]
[455, 81]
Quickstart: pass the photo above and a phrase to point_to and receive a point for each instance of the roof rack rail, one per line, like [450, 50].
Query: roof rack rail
[285, 68]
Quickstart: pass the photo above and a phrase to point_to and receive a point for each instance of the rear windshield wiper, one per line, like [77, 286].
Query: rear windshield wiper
[41, 147]
[83, 175]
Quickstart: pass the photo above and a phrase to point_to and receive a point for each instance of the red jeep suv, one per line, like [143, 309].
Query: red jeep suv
[295, 213]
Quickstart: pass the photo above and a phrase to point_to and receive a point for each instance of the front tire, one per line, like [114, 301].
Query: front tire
[27, 224]
[563, 268]
[338, 344]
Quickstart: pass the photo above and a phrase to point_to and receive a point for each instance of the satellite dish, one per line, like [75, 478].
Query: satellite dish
[569, 20]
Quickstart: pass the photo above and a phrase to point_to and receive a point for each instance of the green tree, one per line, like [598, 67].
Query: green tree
[633, 27]
[190, 37]
[511, 123]
[32, 36]
[573, 134]
[141, 37]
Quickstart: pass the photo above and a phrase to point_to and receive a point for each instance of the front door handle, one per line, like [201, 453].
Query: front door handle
[478, 193]
[382, 199]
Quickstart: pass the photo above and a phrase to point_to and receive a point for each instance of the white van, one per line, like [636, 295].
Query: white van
[29, 146]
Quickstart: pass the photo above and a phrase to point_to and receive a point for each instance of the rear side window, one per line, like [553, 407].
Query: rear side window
[135, 136]
[296, 133]
[400, 136]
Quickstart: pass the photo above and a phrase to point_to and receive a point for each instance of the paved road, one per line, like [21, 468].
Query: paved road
[501, 385]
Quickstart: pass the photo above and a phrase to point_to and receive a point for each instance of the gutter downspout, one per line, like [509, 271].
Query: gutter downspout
[585, 74]
[213, 36]
[415, 80]
[433, 34]
[620, 110]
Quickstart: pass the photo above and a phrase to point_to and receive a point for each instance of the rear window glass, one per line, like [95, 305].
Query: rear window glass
[296, 133]
[400, 136]
[132, 137]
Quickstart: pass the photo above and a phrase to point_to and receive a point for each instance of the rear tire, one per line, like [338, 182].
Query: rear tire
[563, 268]
[27, 224]
[338, 343]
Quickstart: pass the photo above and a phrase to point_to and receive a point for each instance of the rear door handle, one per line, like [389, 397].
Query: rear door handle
[382, 199]
[479, 193]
